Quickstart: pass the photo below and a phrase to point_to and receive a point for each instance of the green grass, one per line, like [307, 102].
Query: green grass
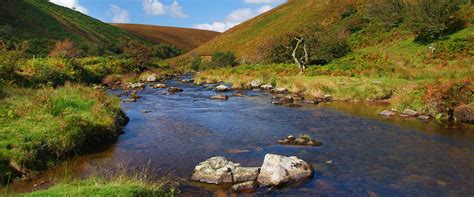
[40, 19]
[427, 93]
[98, 186]
[38, 127]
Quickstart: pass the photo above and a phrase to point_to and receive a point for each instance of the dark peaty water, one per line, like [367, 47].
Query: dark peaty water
[363, 154]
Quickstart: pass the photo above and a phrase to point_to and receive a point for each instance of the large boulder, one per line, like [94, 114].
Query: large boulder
[222, 88]
[267, 87]
[218, 170]
[278, 170]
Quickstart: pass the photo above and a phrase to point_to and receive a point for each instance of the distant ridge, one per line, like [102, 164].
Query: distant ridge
[183, 38]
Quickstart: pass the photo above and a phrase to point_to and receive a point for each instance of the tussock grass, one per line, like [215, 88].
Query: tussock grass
[41, 126]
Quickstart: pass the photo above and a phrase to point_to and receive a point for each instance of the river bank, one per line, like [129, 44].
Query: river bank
[442, 99]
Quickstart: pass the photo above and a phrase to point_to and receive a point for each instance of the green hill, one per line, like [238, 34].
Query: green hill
[43, 23]
[365, 24]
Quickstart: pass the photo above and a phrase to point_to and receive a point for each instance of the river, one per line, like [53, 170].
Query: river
[363, 154]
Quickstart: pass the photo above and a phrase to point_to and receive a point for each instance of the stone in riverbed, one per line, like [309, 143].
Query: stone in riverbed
[267, 87]
[410, 112]
[220, 97]
[278, 170]
[255, 83]
[280, 90]
[222, 88]
[137, 86]
[175, 89]
[129, 100]
[159, 86]
[151, 78]
[424, 117]
[218, 170]
[238, 95]
[282, 101]
[388, 113]
[303, 140]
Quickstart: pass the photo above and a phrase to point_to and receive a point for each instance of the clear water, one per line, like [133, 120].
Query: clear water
[370, 155]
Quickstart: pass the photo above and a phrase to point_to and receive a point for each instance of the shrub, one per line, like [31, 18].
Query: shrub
[464, 113]
[164, 51]
[50, 71]
[431, 19]
[196, 64]
[329, 45]
[64, 49]
[141, 55]
[10, 59]
[388, 14]
[222, 59]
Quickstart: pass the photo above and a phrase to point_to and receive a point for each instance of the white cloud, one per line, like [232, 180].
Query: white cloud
[73, 4]
[153, 7]
[156, 8]
[119, 15]
[234, 18]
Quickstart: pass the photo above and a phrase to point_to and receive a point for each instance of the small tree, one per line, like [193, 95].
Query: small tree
[303, 60]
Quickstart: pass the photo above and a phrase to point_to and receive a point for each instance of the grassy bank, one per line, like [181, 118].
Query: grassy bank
[437, 97]
[122, 183]
[41, 126]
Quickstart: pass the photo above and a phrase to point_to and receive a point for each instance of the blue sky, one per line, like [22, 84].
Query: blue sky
[217, 15]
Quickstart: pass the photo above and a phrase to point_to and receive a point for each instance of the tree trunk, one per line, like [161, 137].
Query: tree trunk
[301, 62]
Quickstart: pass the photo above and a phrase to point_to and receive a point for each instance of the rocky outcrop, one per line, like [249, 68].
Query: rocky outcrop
[279, 170]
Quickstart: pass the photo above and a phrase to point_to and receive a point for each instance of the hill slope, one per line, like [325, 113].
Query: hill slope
[365, 23]
[183, 38]
[42, 20]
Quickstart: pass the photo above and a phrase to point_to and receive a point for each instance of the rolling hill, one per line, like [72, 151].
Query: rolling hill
[183, 38]
[364, 21]
[41, 20]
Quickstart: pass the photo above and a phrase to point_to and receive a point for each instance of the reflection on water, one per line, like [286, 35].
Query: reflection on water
[363, 154]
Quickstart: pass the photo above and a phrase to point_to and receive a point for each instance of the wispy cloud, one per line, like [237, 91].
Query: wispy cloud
[156, 8]
[234, 18]
[118, 14]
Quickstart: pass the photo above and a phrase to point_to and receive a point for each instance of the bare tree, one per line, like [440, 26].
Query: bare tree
[302, 61]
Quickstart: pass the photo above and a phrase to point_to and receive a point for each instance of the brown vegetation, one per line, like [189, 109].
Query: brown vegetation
[183, 38]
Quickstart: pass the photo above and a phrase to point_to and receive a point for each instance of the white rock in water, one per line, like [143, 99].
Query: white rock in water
[280, 90]
[151, 78]
[218, 170]
[267, 87]
[255, 83]
[277, 170]
[388, 113]
[222, 88]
